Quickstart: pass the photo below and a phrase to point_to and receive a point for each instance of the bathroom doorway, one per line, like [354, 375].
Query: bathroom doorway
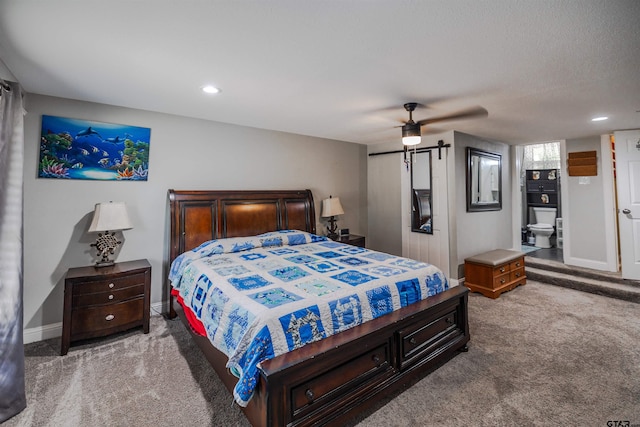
[540, 181]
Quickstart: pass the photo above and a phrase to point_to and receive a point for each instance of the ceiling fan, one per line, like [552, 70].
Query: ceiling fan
[411, 130]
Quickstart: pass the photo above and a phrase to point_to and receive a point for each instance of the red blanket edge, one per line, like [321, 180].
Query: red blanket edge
[194, 322]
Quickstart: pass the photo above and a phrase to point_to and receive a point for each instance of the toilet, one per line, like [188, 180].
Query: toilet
[543, 228]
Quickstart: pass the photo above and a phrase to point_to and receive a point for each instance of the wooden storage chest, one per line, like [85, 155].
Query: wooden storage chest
[494, 272]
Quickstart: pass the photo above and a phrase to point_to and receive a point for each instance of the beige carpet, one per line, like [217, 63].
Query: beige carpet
[539, 355]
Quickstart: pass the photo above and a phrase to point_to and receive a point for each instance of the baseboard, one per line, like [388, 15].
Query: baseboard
[159, 308]
[42, 333]
[54, 330]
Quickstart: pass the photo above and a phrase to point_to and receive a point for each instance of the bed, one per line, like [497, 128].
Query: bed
[330, 380]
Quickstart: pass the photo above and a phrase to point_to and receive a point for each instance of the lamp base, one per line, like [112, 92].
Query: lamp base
[107, 263]
[106, 244]
[332, 228]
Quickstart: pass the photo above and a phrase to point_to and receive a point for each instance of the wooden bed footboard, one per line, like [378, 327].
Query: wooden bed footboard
[330, 381]
[327, 382]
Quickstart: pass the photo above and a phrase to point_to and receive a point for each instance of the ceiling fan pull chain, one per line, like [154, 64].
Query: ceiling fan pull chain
[406, 161]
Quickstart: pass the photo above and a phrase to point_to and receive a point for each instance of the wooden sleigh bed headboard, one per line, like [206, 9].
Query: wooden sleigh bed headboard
[200, 216]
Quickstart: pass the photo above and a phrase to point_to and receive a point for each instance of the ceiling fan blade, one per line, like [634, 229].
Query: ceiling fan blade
[474, 112]
[433, 131]
[395, 107]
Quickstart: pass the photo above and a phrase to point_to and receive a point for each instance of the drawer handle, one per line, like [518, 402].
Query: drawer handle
[111, 285]
[110, 317]
[111, 296]
[502, 280]
[518, 274]
[518, 264]
[412, 341]
[450, 320]
[376, 359]
[501, 269]
[309, 394]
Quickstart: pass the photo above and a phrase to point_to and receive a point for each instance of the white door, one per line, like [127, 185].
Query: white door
[627, 146]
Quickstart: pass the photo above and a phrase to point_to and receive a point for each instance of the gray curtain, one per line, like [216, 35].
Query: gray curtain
[12, 393]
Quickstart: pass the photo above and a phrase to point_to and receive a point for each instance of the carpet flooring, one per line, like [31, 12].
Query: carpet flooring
[539, 355]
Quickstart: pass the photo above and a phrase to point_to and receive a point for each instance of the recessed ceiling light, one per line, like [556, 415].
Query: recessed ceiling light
[210, 89]
[599, 119]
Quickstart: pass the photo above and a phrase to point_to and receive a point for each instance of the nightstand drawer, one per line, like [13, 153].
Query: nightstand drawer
[108, 284]
[83, 300]
[106, 317]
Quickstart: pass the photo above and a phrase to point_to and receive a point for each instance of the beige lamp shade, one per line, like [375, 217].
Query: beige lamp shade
[332, 207]
[110, 216]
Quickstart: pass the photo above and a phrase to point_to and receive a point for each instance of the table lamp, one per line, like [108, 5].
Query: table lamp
[108, 218]
[330, 208]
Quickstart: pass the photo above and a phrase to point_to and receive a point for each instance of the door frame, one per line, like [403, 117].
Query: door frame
[611, 234]
[610, 205]
[628, 260]
[605, 167]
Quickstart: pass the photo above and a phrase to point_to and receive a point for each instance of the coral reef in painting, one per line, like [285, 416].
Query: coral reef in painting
[80, 149]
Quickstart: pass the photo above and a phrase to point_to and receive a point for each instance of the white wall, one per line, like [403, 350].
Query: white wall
[184, 154]
[479, 232]
[586, 207]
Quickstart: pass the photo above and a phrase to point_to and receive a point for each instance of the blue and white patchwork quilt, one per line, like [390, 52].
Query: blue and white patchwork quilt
[262, 296]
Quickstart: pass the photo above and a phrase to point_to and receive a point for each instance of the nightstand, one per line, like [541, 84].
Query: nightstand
[352, 239]
[100, 301]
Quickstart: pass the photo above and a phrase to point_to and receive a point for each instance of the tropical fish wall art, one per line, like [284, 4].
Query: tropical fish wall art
[82, 149]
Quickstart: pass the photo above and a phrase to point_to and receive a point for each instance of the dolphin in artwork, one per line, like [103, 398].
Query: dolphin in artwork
[88, 131]
[115, 140]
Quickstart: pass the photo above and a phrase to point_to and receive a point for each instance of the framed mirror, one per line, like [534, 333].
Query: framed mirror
[484, 181]
[421, 200]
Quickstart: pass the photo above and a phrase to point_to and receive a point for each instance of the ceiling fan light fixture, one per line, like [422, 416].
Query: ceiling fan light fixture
[411, 140]
[411, 134]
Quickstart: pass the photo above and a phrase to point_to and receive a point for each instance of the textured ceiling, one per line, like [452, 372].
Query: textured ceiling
[340, 69]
